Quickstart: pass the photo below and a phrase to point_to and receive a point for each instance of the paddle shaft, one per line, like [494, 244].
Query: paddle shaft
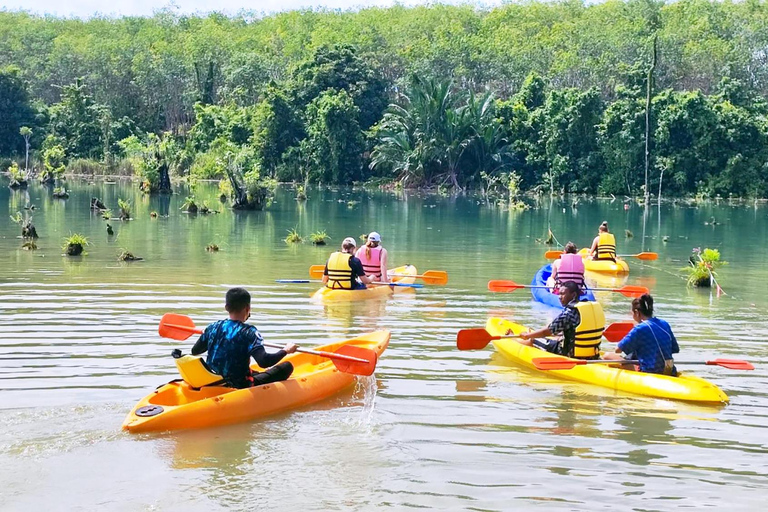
[330, 355]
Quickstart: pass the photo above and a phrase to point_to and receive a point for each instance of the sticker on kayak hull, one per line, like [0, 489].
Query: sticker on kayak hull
[148, 410]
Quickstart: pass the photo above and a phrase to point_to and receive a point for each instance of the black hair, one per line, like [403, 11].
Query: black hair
[571, 287]
[570, 248]
[237, 299]
[644, 305]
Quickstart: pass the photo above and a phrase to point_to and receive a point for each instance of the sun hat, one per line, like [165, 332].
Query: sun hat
[374, 237]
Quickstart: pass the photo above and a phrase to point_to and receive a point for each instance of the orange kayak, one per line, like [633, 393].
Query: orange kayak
[177, 405]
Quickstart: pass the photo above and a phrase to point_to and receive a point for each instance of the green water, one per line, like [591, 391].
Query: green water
[436, 428]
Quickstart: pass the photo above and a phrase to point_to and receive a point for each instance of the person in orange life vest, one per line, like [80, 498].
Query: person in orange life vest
[570, 267]
[374, 258]
[343, 271]
[604, 244]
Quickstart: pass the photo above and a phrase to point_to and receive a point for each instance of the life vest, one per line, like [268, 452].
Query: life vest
[589, 331]
[196, 372]
[372, 265]
[571, 269]
[339, 271]
[606, 247]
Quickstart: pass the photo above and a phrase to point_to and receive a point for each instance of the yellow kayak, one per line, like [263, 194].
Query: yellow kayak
[683, 387]
[604, 266]
[372, 291]
[176, 405]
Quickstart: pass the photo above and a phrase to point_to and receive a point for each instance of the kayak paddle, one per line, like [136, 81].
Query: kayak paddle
[429, 277]
[561, 363]
[553, 255]
[648, 256]
[348, 358]
[500, 285]
[304, 281]
[476, 339]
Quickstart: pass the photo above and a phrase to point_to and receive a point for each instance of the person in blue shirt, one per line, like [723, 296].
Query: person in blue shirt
[232, 343]
[651, 341]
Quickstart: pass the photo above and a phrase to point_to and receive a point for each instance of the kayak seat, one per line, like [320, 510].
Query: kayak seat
[196, 372]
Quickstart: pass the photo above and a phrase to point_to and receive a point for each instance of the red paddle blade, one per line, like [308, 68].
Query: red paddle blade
[648, 256]
[435, 277]
[500, 285]
[473, 339]
[633, 291]
[553, 255]
[617, 330]
[733, 364]
[316, 271]
[356, 367]
[555, 363]
[177, 327]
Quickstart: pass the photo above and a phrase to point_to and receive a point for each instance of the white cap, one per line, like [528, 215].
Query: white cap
[374, 237]
[349, 241]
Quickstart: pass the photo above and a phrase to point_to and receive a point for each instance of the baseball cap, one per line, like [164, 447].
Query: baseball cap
[374, 237]
[349, 241]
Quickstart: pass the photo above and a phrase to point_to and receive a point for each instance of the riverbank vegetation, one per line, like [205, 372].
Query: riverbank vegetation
[542, 97]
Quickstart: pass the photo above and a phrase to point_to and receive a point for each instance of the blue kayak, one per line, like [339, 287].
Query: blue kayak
[545, 296]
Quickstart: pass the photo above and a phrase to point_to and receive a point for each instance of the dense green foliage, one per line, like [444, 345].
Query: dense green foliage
[550, 96]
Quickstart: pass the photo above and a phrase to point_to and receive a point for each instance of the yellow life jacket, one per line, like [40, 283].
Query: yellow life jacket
[606, 247]
[339, 271]
[589, 331]
[195, 371]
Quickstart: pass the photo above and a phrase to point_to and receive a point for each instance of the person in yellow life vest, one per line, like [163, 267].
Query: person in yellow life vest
[604, 244]
[374, 258]
[343, 271]
[581, 324]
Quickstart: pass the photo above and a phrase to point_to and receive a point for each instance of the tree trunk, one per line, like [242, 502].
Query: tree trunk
[649, 89]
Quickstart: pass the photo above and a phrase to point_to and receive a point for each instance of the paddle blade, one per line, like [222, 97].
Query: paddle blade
[617, 330]
[473, 339]
[633, 291]
[500, 285]
[316, 271]
[435, 277]
[177, 327]
[648, 256]
[553, 255]
[555, 363]
[733, 364]
[356, 367]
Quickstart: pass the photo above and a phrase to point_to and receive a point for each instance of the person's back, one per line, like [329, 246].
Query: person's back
[229, 346]
[652, 343]
[373, 258]
[231, 343]
[604, 244]
[343, 271]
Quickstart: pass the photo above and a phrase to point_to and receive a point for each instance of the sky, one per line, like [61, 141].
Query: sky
[88, 8]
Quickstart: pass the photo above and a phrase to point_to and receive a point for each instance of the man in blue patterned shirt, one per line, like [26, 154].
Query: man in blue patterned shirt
[231, 343]
[564, 324]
